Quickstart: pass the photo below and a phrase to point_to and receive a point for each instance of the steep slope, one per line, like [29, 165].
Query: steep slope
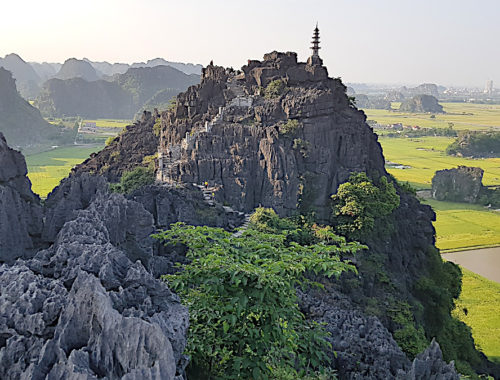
[20, 210]
[27, 79]
[282, 134]
[21, 123]
[78, 97]
[76, 68]
[121, 98]
[145, 82]
[187, 68]
[421, 103]
[46, 70]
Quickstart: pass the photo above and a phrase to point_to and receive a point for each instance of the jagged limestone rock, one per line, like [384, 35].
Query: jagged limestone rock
[461, 184]
[83, 309]
[20, 210]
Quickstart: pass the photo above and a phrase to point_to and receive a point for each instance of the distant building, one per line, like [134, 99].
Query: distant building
[488, 89]
[87, 127]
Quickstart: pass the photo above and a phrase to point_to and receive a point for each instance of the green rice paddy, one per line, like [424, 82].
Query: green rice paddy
[426, 155]
[46, 169]
[462, 115]
[479, 307]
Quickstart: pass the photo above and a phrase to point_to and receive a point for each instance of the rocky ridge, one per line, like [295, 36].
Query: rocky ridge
[277, 151]
[98, 245]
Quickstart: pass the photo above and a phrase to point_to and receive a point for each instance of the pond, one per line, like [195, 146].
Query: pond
[485, 262]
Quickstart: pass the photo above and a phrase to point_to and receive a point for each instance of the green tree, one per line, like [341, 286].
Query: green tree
[133, 180]
[245, 322]
[362, 206]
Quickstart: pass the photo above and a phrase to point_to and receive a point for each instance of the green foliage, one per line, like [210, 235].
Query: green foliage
[412, 340]
[133, 180]
[360, 205]
[476, 144]
[290, 127]
[172, 104]
[437, 292]
[302, 146]
[110, 140]
[275, 89]
[407, 188]
[150, 161]
[157, 127]
[244, 317]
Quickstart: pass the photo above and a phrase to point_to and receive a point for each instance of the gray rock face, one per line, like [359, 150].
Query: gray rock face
[176, 203]
[421, 103]
[20, 210]
[430, 365]
[83, 310]
[462, 184]
[364, 348]
[252, 154]
[74, 193]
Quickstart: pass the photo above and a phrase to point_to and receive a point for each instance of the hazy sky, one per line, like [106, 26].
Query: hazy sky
[393, 41]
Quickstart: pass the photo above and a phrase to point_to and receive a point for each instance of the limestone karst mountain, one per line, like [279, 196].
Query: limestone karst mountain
[21, 123]
[282, 134]
[27, 80]
[421, 104]
[76, 68]
[279, 133]
[120, 97]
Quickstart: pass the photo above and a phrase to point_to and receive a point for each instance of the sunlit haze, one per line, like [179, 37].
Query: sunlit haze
[389, 41]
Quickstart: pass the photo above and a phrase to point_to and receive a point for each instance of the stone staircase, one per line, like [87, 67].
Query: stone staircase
[173, 154]
[209, 198]
[243, 227]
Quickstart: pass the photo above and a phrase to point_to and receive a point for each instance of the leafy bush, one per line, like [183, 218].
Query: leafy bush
[275, 89]
[157, 127]
[109, 140]
[475, 144]
[133, 180]
[290, 127]
[360, 202]
[244, 318]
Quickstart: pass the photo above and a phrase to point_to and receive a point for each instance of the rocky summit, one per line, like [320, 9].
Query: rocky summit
[80, 294]
[278, 133]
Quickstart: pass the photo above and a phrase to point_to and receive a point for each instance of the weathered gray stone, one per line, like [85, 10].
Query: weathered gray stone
[73, 193]
[20, 210]
[461, 184]
[82, 309]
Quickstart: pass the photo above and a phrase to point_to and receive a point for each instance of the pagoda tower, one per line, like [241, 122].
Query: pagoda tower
[314, 59]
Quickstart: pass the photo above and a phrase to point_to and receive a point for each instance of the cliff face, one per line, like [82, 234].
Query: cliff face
[20, 210]
[21, 123]
[462, 184]
[280, 134]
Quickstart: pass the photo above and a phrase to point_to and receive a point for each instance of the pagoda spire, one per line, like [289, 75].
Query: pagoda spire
[315, 42]
[314, 59]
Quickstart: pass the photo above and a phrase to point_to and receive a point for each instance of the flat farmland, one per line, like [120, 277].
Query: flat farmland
[464, 226]
[46, 169]
[469, 116]
[423, 156]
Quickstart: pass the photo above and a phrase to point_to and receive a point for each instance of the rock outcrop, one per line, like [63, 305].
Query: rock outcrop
[461, 184]
[22, 124]
[421, 104]
[125, 152]
[278, 150]
[20, 210]
[363, 348]
[86, 309]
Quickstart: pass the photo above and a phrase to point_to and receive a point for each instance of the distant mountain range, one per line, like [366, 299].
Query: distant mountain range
[22, 124]
[30, 76]
[119, 97]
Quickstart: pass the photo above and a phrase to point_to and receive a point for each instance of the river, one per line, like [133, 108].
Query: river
[485, 262]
